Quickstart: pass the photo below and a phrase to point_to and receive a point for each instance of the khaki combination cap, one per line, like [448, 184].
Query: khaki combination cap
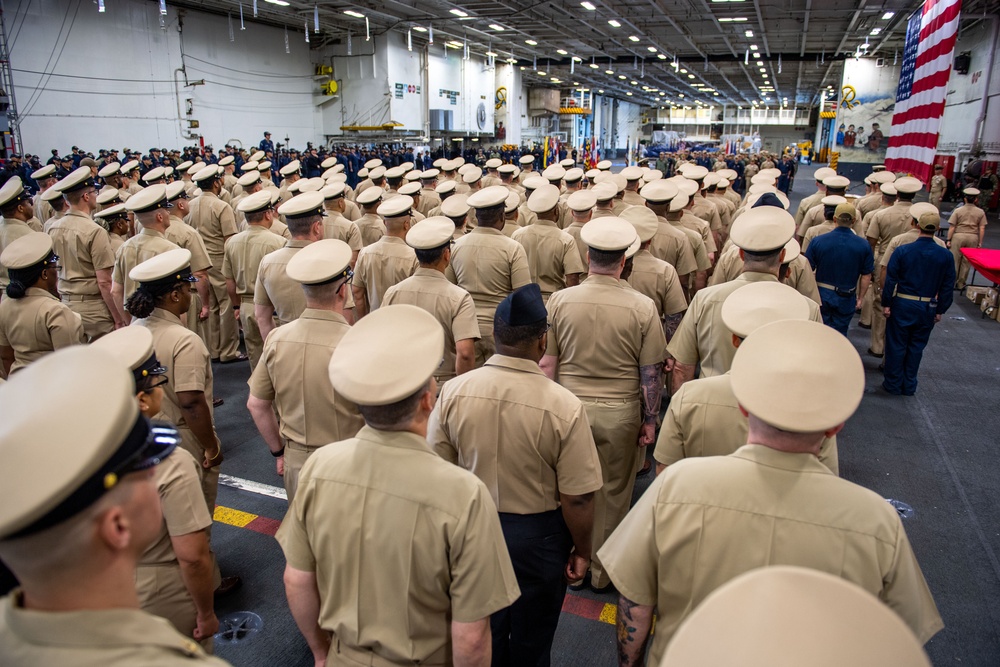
[659, 192]
[472, 175]
[173, 264]
[545, 198]
[224, 162]
[207, 173]
[554, 173]
[512, 202]
[362, 173]
[568, 163]
[52, 194]
[48, 171]
[888, 189]
[27, 251]
[767, 179]
[534, 182]
[686, 186]
[258, 201]
[413, 175]
[760, 188]
[329, 163]
[604, 165]
[833, 200]
[396, 207]
[814, 369]
[604, 191]
[184, 166]
[467, 167]
[377, 173]
[526, 159]
[573, 175]
[837, 182]
[759, 303]
[320, 262]
[175, 190]
[489, 197]
[371, 164]
[908, 185]
[406, 166]
[412, 189]
[694, 172]
[429, 174]
[116, 211]
[248, 179]
[651, 175]
[154, 174]
[722, 184]
[131, 165]
[643, 220]
[824, 173]
[309, 184]
[679, 202]
[632, 173]
[456, 206]
[787, 616]
[445, 187]
[133, 346]
[369, 195]
[507, 168]
[762, 229]
[333, 191]
[264, 166]
[395, 172]
[290, 168]
[56, 468]
[884, 177]
[110, 169]
[338, 177]
[591, 174]
[12, 191]
[792, 250]
[148, 199]
[78, 179]
[582, 201]
[257, 156]
[494, 163]
[431, 233]
[439, 163]
[387, 356]
[845, 210]
[711, 178]
[920, 208]
[303, 205]
[609, 234]
[971, 192]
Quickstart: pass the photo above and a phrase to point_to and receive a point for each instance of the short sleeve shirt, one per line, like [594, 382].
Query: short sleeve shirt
[381, 265]
[551, 253]
[674, 247]
[243, 256]
[525, 436]
[338, 227]
[887, 223]
[145, 245]
[658, 280]
[275, 289]
[11, 229]
[84, 248]
[36, 324]
[185, 236]
[371, 228]
[178, 483]
[967, 219]
[215, 221]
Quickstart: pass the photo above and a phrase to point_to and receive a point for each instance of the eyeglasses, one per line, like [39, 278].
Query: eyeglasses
[545, 330]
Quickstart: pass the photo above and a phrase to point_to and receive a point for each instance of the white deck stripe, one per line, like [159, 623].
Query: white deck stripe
[253, 487]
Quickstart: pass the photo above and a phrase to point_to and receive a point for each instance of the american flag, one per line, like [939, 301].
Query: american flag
[923, 86]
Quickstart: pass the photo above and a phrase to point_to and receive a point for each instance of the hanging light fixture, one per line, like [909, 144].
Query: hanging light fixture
[163, 7]
[100, 6]
[316, 19]
[348, 42]
[430, 34]
[288, 49]
[409, 40]
[232, 36]
[255, 8]
[306, 31]
[746, 58]
[242, 25]
[368, 32]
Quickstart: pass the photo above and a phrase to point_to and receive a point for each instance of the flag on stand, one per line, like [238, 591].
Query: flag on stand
[923, 86]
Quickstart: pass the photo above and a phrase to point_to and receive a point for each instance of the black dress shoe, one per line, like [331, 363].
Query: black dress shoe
[610, 588]
[872, 353]
[228, 586]
[864, 326]
[580, 585]
[217, 402]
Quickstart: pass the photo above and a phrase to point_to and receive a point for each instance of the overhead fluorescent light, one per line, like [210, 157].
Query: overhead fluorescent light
[876, 31]
[498, 28]
[661, 56]
[455, 44]
[651, 49]
[349, 12]
[621, 76]
[733, 19]
[749, 33]
[614, 24]
[633, 38]
[594, 65]
[629, 93]
[282, 3]
[600, 92]
[577, 59]
[491, 54]
[420, 28]
[756, 55]
[588, 5]
[763, 70]
[683, 71]
[531, 42]
[561, 52]
[555, 80]
[541, 73]
[634, 83]
[609, 72]
[753, 47]
[888, 15]
[458, 12]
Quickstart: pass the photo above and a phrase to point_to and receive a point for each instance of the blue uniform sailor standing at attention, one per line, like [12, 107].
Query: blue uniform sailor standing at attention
[840, 258]
[917, 292]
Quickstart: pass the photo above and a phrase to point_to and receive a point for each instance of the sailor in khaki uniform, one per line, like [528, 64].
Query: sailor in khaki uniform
[229, 179]
[487, 264]
[428, 288]
[290, 174]
[702, 338]
[553, 258]
[678, 212]
[46, 178]
[33, 322]
[370, 224]
[707, 520]
[115, 218]
[526, 163]
[654, 277]
[275, 295]
[510, 213]
[787, 615]
[916, 211]
[335, 225]
[249, 184]
[939, 184]
[85, 255]
[242, 260]
[215, 221]
[15, 205]
[813, 199]
[130, 177]
[836, 186]
[111, 174]
[606, 193]
[174, 578]
[619, 381]
[633, 178]
[492, 176]
[55, 199]
[291, 400]
[429, 199]
[539, 461]
[185, 236]
[966, 230]
[582, 208]
[704, 418]
[151, 210]
[386, 262]
[353, 580]
[831, 204]
[657, 197]
[412, 190]
[103, 453]
[456, 208]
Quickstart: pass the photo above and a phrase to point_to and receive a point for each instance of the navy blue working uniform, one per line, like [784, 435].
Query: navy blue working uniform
[839, 257]
[917, 291]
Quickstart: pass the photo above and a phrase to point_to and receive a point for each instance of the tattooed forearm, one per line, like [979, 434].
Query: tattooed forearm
[634, 621]
[670, 324]
[650, 385]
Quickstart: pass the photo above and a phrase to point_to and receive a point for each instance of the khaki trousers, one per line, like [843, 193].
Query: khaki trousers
[223, 339]
[162, 593]
[251, 332]
[878, 319]
[615, 425]
[485, 348]
[959, 241]
[867, 307]
[295, 458]
[94, 313]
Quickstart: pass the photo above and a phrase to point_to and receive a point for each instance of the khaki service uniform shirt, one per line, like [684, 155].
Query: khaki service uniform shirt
[817, 230]
[116, 242]
[903, 239]
[336, 226]
[293, 374]
[806, 204]
[185, 236]
[108, 637]
[36, 324]
[83, 248]
[967, 219]
[674, 247]
[380, 594]
[489, 266]
[371, 227]
[449, 304]
[385, 263]
[11, 230]
[214, 220]
[800, 273]
[868, 203]
[602, 334]
[657, 280]
[525, 436]
[243, 256]
[708, 211]
[704, 522]
[552, 255]
[887, 223]
[43, 209]
[148, 243]
[697, 244]
[178, 483]
[275, 289]
[698, 225]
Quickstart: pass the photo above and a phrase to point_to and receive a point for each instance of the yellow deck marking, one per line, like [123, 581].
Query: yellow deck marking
[233, 517]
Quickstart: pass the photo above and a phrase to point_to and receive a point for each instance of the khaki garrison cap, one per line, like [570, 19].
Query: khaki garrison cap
[12, 192]
[290, 168]
[845, 210]
[184, 166]
[371, 164]
[56, 468]
[207, 173]
[604, 191]
[908, 185]
[456, 206]
[545, 198]
[494, 163]
[604, 165]
[431, 233]
[658, 192]
[26, 251]
[304, 205]
[105, 197]
[257, 156]
[387, 356]
[112, 213]
[489, 197]
[333, 191]
[170, 265]
[888, 189]
[526, 159]
[971, 192]
[258, 201]
[377, 173]
[608, 234]
[533, 182]
[833, 200]
[78, 179]
[109, 170]
[131, 165]
[441, 188]
[840, 182]
[369, 196]
[759, 303]
[472, 175]
[786, 616]
[248, 166]
[154, 174]
[248, 179]
[411, 189]
[226, 161]
[814, 368]
[395, 172]
[321, 262]
[762, 229]
[643, 220]
[148, 199]
[512, 202]
[396, 207]
[48, 171]
[581, 201]
[824, 173]
[679, 202]
[176, 190]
